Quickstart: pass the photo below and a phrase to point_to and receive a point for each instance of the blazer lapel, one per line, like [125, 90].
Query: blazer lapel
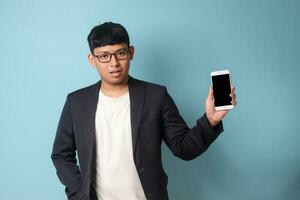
[91, 101]
[136, 95]
[91, 105]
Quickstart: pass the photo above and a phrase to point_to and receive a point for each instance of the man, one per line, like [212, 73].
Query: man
[117, 126]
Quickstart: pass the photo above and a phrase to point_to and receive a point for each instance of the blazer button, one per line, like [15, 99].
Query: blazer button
[142, 169]
[149, 195]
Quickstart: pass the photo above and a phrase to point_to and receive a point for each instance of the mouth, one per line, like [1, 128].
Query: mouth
[115, 73]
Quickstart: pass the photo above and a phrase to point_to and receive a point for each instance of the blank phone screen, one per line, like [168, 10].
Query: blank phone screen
[221, 87]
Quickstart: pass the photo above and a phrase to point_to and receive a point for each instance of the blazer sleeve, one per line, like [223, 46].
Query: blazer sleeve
[64, 153]
[184, 142]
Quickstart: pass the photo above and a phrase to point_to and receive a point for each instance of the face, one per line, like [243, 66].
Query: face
[114, 72]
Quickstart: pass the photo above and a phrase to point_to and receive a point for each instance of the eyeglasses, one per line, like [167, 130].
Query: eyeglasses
[105, 57]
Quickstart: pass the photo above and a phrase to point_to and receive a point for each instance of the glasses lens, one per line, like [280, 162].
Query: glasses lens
[122, 54]
[104, 57]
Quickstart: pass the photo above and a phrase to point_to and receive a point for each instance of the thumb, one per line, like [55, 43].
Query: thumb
[211, 93]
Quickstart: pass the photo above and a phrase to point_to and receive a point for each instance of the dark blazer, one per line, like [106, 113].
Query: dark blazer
[154, 117]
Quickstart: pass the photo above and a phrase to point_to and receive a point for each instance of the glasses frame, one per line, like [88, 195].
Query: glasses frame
[115, 54]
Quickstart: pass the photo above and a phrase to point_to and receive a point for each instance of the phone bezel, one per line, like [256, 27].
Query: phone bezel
[218, 73]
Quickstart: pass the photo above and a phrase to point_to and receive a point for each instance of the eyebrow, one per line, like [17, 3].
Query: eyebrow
[101, 52]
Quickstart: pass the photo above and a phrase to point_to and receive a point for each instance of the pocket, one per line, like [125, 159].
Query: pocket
[77, 196]
[80, 195]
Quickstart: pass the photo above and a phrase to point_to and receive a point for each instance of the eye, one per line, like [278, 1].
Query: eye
[103, 56]
[122, 53]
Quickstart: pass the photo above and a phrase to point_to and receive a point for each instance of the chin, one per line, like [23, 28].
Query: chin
[118, 81]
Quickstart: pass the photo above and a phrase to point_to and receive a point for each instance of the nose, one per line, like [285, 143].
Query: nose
[114, 61]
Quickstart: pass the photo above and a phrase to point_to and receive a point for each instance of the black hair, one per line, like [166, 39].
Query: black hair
[108, 33]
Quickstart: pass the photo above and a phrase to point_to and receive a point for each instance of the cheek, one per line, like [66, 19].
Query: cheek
[126, 64]
[101, 70]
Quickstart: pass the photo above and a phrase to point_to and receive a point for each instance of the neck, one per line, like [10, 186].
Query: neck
[114, 90]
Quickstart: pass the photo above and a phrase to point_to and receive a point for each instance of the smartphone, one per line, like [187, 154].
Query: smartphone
[222, 89]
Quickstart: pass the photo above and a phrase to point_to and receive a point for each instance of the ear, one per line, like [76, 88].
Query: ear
[131, 52]
[91, 60]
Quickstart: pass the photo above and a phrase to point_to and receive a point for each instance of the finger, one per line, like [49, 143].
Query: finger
[232, 88]
[211, 93]
[234, 103]
[233, 95]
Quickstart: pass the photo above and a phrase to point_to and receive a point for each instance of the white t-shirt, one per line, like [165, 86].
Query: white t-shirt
[115, 173]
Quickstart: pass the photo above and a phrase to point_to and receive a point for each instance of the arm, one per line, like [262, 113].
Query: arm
[184, 142]
[64, 152]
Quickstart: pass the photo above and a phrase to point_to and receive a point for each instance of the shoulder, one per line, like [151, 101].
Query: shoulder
[154, 94]
[90, 90]
[150, 86]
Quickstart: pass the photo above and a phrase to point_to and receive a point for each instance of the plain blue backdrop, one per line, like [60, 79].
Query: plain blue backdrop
[43, 57]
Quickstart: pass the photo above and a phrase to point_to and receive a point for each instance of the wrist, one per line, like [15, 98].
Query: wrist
[212, 121]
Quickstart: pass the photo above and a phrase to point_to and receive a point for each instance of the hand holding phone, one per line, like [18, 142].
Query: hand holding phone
[221, 97]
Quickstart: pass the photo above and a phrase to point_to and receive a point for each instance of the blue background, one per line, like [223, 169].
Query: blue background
[43, 57]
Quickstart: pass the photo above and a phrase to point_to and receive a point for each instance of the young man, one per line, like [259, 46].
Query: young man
[117, 126]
